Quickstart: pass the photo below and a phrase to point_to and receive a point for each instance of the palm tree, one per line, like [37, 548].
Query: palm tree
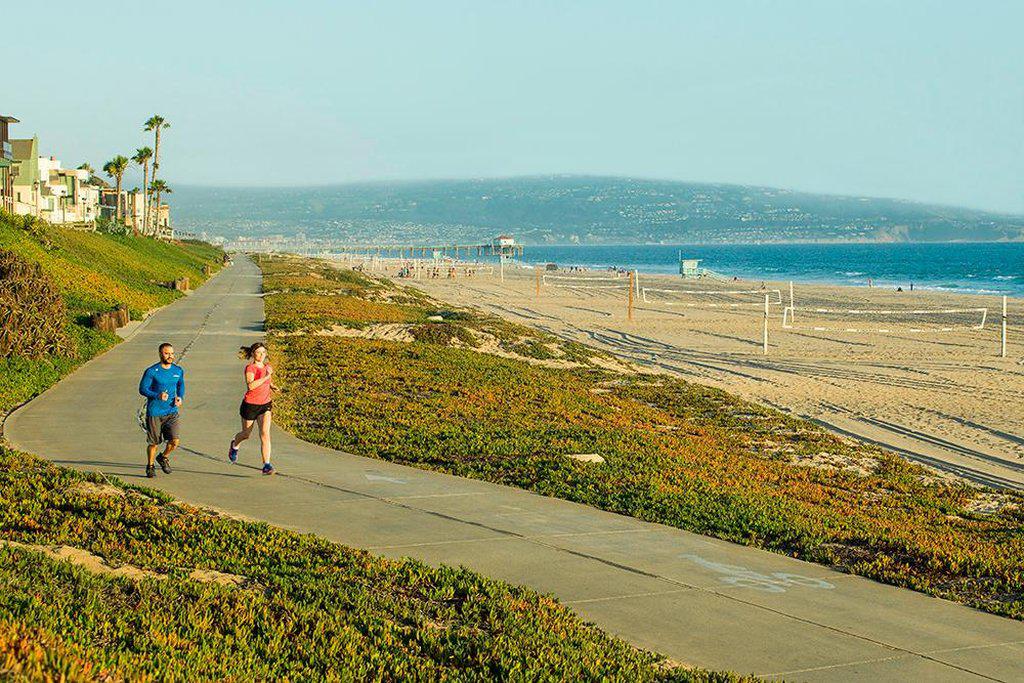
[115, 168]
[134, 192]
[142, 157]
[87, 167]
[157, 188]
[155, 123]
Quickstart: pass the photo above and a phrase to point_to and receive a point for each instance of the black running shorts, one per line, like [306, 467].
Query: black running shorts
[161, 428]
[250, 411]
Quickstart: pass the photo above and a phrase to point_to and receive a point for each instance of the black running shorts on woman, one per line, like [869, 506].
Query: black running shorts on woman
[250, 411]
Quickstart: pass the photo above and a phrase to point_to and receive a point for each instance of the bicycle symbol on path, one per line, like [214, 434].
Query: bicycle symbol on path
[776, 582]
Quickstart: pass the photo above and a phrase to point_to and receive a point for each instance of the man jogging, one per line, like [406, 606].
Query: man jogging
[163, 385]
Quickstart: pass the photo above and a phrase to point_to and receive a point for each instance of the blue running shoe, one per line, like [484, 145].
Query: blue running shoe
[268, 468]
[233, 453]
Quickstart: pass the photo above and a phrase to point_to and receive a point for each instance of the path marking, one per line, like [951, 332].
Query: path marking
[373, 476]
[776, 582]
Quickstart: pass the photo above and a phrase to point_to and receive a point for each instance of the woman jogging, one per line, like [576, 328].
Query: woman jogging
[256, 404]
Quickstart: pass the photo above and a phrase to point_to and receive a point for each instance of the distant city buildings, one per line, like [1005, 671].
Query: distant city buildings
[32, 184]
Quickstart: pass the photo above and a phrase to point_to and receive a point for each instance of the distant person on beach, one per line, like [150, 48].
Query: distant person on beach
[163, 385]
[256, 404]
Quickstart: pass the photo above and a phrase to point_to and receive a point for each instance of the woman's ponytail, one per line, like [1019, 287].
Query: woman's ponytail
[249, 352]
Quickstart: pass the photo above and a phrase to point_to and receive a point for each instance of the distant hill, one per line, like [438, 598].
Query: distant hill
[565, 209]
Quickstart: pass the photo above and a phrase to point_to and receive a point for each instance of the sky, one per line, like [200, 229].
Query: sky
[910, 99]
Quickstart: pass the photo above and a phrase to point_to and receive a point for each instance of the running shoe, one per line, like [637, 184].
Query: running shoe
[164, 463]
[268, 469]
[233, 453]
[150, 471]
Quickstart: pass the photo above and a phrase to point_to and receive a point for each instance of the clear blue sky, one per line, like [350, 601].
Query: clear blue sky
[923, 100]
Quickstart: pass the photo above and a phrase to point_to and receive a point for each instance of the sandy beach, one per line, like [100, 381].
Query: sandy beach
[927, 386]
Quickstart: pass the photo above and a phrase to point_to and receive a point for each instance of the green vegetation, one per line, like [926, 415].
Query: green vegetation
[162, 590]
[310, 296]
[32, 319]
[96, 272]
[92, 272]
[294, 607]
[292, 311]
[675, 453]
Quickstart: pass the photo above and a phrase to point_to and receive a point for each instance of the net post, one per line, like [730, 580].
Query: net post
[632, 284]
[501, 266]
[1002, 353]
[537, 278]
[791, 294]
[764, 337]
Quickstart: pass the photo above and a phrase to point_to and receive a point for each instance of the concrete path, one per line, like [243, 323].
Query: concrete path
[698, 600]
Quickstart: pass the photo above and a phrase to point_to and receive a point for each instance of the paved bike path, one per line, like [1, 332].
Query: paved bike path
[698, 600]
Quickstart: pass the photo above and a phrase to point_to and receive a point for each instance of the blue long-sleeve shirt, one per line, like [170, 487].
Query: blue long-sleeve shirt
[158, 379]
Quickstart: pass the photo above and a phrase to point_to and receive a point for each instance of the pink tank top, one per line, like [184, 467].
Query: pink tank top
[261, 394]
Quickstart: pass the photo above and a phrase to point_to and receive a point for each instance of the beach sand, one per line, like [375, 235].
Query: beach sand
[939, 397]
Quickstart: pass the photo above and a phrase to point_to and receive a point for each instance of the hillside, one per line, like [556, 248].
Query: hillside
[564, 209]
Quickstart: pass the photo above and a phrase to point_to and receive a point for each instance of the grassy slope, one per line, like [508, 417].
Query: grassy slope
[676, 453]
[94, 273]
[307, 609]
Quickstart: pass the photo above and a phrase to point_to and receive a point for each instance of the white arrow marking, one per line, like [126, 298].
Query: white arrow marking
[378, 477]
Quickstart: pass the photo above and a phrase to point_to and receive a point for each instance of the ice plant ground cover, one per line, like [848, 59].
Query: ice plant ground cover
[675, 452]
[158, 590]
[292, 606]
[96, 272]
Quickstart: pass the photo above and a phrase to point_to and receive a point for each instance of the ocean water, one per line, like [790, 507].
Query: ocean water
[977, 268]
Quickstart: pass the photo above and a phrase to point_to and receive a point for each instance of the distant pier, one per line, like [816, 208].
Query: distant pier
[455, 251]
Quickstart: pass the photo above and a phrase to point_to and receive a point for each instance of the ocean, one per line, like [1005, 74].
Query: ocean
[976, 268]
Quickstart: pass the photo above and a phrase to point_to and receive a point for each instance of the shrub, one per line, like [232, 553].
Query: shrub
[32, 313]
[443, 334]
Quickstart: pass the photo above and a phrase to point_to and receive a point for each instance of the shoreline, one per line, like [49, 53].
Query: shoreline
[1007, 280]
[773, 279]
[988, 269]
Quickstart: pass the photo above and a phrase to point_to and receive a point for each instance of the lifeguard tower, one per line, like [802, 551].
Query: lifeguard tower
[690, 268]
[505, 245]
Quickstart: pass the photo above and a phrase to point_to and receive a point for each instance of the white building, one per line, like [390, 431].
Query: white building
[43, 188]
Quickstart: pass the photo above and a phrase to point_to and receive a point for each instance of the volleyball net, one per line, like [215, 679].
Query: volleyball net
[884, 320]
[612, 281]
[711, 298]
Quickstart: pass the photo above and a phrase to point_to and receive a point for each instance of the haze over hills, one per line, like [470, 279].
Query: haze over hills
[570, 209]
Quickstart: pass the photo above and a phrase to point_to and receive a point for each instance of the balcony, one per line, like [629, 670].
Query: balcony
[7, 152]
